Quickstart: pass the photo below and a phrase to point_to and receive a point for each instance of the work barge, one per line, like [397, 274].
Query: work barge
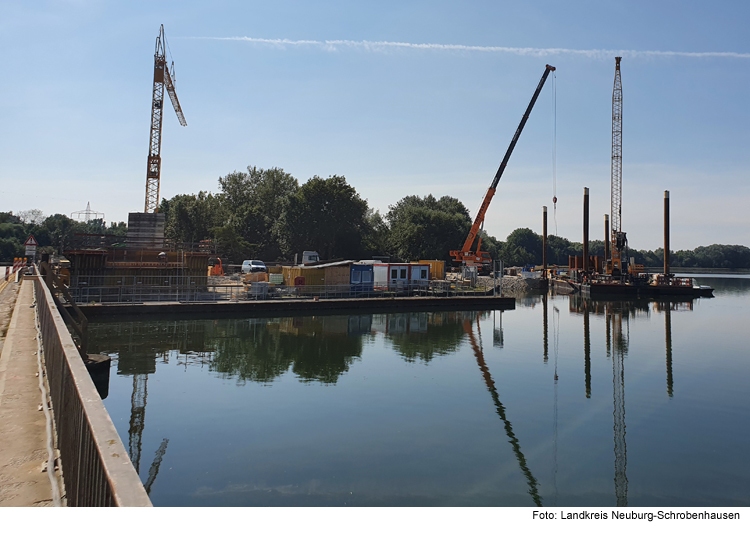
[594, 276]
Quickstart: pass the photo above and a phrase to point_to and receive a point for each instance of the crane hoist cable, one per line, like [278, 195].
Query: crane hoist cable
[554, 149]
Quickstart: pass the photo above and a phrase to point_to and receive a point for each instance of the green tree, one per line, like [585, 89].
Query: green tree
[10, 248]
[8, 217]
[325, 215]
[232, 246]
[118, 229]
[427, 228]
[559, 249]
[254, 203]
[60, 229]
[191, 218]
[376, 235]
[522, 246]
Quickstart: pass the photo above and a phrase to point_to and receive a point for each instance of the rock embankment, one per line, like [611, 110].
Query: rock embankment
[516, 285]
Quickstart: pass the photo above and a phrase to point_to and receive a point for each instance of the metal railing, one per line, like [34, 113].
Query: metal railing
[185, 290]
[96, 467]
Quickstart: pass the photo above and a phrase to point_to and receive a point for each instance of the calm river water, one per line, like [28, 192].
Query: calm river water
[637, 403]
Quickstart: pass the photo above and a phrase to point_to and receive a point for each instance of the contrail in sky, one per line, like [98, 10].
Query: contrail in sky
[380, 46]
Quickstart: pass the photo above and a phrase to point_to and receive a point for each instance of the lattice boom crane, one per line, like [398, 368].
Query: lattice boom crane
[163, 76]
[619, 240]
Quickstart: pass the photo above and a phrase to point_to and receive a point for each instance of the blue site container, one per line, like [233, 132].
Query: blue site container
[361, 278]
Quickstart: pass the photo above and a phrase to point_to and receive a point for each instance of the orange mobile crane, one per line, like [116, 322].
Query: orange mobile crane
[163, 76]
[480, 258]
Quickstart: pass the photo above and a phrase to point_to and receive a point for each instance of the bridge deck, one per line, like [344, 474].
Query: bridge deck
[23, 436]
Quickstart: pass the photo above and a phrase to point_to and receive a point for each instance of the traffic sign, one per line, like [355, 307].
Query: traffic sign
[31, 250]
[30, 241]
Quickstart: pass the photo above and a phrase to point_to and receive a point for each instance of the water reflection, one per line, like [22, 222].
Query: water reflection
[727, 285]
[617, 312]
[400, 436]
[500, 409]
[314, 348]
[545, 327]
[617, 315]
[425, 335]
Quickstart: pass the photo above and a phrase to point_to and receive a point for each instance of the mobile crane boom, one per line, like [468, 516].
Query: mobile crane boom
[466, 254]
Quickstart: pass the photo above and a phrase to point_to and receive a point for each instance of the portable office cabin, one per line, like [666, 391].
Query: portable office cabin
[420, 275]
[396, 276]
[437, 268]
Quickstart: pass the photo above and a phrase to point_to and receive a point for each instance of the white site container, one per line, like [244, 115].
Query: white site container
[380, 276]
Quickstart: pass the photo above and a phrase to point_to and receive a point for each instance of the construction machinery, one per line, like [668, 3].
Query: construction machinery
[163, 77]
[215, 267]
[618, 237]
[480, 258]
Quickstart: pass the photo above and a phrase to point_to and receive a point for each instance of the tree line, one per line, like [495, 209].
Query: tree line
[267, 214]
[54, 233]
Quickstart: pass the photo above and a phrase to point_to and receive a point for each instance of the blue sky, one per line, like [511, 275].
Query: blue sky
[75, 99]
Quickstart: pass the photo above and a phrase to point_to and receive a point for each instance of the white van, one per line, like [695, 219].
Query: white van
[254, 266]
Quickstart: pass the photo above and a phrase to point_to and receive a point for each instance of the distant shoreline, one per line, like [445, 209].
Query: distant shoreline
[700, 271]
[685, 270]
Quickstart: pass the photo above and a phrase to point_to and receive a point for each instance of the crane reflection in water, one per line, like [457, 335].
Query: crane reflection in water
[500, 409]
[617, 323]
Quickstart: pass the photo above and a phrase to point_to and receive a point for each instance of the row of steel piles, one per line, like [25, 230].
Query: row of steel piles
[607, 237]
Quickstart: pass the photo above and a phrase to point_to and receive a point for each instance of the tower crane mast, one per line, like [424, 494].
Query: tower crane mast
[163, 77]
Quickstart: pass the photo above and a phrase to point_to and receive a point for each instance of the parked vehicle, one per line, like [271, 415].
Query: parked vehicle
[254, 266]
[309, 257]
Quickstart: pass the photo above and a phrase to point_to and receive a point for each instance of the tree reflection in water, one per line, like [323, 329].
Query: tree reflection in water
[314, 348]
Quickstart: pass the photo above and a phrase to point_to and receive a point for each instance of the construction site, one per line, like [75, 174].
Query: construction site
[147, 267]
[150, 298]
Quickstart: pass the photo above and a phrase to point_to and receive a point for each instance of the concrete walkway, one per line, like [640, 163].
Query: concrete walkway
[23, 435]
